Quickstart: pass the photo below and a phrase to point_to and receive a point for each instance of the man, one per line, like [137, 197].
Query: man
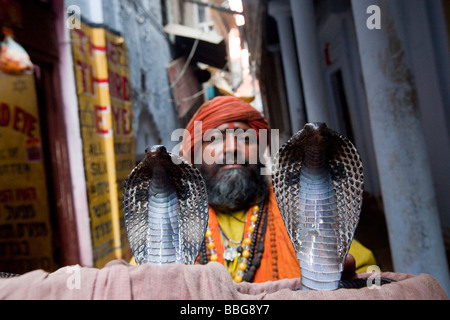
[245, 232]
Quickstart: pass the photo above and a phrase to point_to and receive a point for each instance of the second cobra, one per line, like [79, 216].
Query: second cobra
[318, 183]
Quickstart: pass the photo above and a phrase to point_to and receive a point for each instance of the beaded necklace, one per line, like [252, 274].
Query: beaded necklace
[246, 256]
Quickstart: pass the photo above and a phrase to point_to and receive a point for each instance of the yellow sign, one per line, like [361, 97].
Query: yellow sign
[122, 111]
[25, 231]
[96, 121]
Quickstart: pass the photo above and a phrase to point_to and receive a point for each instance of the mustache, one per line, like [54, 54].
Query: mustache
[231, 158]
[236, 157]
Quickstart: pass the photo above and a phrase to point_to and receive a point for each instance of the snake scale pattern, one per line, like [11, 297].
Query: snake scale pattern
[165, 209]
[318, 185]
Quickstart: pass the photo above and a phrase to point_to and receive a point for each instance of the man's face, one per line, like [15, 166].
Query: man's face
[235, 182]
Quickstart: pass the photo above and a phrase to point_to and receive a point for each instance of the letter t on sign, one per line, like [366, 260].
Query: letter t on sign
[374, 21]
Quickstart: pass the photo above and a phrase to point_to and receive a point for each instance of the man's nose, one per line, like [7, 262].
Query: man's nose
[230, 147]
[230, 143]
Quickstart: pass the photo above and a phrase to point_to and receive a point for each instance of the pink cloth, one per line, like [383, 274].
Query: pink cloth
[118, 280]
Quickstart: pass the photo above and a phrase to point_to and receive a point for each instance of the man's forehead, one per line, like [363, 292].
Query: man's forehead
[234, 125]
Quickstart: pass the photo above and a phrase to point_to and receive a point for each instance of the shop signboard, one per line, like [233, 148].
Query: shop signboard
[25, 228]
[96, 122]
[122, 112]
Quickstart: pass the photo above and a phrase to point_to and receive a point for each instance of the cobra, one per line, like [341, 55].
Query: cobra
[318, 184]
[165, 209]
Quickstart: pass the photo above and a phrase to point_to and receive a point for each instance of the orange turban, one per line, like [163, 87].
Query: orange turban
[218, 111]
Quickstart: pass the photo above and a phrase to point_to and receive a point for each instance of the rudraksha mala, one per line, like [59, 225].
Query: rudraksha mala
[256, 247]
